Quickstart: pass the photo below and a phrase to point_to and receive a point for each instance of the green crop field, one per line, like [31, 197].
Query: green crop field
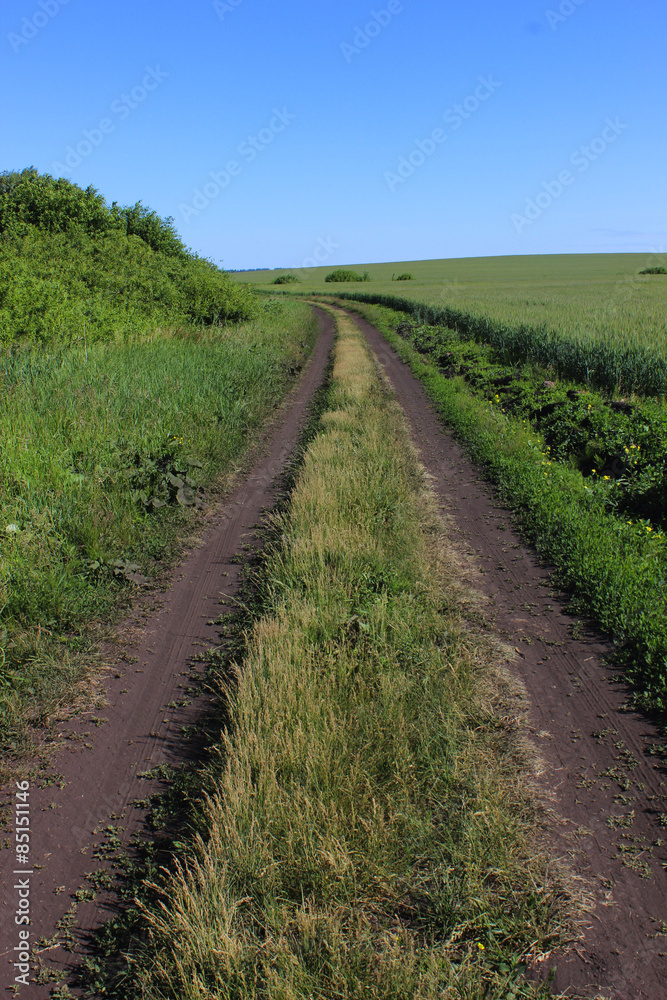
[601, 295]
[594, 316]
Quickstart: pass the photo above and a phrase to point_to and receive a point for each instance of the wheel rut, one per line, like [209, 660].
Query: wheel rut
[94, 780]
[605, 785]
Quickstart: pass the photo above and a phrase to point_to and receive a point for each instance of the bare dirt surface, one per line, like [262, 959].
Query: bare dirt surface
[88, 798]
[608, 788]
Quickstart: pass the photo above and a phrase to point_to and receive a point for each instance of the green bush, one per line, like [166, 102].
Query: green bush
[343, 274]
[72, 266]
[404, 277]
[286, 279]
[654, 270]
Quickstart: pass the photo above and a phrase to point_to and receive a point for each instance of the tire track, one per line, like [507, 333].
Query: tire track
[607, 787]
[95, 778]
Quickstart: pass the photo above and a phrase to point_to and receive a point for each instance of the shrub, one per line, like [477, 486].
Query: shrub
[343, 274]
[405, 277]
[654, 270]
[70, 264]
[286, 279]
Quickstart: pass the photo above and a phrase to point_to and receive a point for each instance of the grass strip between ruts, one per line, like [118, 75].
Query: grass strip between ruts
[371, 832]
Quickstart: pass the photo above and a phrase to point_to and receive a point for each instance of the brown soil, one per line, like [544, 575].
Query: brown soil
[599, 773]
[100, 763]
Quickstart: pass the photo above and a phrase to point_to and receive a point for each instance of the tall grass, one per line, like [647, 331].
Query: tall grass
[623, 364]
[586, 297]
[89, 437]
[371, 834]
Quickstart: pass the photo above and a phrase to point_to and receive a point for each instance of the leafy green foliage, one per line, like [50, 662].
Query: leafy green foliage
[286, 279]
[28, 198]
[166, 478]
[73, 268]
[104, 452]
[404, 277]
[623, 444]
[654, 270]
[344, 274]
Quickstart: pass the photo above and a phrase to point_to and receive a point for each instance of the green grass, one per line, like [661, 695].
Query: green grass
[104, 452]
[615, 565]
[594, 317]
[371, 833]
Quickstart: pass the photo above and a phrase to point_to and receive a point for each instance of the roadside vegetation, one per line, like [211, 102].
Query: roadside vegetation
[104, 457]
[586, 473]
[110, 443]
[600, 362]
[370, 831]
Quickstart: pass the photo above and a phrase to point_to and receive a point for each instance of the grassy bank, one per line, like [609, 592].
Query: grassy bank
[618, 446]
[74, 269]
[614, 564]
[370, 833]
[105, 451]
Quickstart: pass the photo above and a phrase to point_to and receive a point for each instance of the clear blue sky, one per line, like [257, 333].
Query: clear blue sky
[325, 170]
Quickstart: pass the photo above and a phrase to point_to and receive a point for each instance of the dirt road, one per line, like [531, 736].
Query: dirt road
[95, 780]
[609, 789]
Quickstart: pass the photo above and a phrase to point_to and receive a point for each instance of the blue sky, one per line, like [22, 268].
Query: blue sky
[275, 133]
